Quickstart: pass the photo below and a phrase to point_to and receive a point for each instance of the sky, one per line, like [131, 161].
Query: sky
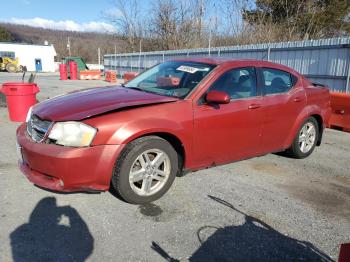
[74, 15]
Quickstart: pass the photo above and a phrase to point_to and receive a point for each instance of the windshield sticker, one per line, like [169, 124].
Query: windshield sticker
[190, 69]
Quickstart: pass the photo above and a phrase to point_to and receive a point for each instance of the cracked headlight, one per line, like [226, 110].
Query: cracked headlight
[74, 134]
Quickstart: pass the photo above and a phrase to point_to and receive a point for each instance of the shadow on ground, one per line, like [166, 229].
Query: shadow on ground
[254, 240]
[53, 234]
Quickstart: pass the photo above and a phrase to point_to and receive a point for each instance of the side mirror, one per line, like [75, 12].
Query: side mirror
[218, 97]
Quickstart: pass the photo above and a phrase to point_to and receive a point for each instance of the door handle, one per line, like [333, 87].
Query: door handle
[297, 99]
[340, 111]
[254, 106]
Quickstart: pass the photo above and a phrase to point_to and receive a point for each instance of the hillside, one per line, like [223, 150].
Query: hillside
[83, 44]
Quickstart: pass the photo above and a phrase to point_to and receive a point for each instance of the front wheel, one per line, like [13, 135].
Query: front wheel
[305, 141]
[145, 170]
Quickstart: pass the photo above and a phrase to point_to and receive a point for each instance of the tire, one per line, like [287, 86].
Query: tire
[11, 68]
[137, 178]
[297, 149]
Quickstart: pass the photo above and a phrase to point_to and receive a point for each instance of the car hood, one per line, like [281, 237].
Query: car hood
[91, 102]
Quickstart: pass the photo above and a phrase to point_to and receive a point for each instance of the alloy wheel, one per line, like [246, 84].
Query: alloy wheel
[149, 172]
[307, 137]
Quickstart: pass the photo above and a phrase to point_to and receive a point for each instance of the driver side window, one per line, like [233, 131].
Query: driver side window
[238, 83]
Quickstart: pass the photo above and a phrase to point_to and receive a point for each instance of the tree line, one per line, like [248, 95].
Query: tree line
[176, 24]
[83, 44]
[182, 24]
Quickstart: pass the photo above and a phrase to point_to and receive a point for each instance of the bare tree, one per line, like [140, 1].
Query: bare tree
[129, 20]
[173, 24]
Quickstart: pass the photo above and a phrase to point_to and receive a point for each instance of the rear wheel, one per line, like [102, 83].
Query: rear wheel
[305, 141]
[11, 68]
[145, 170]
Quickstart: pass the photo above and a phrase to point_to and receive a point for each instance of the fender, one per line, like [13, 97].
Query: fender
[308, 111]
[134, 129]
[119, 128]
[324, 113]
[314, 110]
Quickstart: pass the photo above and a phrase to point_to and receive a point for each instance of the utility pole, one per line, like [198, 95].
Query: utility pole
[68, 46]
[209, 44]
[140, 54]
[200, 15]
[210, 28]
[99, 56]
[347, 85]
[115, 57]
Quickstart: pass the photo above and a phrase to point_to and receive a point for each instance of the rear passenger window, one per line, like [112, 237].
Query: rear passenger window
[238, 83]
[276, 81]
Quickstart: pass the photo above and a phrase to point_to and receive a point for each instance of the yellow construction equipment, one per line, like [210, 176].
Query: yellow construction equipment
[10, 65]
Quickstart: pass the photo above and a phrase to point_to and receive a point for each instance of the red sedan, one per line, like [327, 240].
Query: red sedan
[179, 115]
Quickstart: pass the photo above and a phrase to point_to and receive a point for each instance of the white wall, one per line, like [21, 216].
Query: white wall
[28, 53]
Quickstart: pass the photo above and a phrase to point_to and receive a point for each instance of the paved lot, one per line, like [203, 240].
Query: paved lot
[50, 84]
[269, 208]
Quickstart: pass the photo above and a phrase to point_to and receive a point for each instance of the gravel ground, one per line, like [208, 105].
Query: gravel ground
[269, 208]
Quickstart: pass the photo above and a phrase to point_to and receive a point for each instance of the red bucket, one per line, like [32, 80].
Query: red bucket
[19, 97]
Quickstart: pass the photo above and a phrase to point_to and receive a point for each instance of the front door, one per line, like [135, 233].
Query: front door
[38, 66]
[228, 132]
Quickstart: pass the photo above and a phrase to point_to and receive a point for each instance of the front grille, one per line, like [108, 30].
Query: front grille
[37, 128]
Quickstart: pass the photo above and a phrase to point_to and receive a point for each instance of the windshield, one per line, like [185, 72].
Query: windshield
[175, 78]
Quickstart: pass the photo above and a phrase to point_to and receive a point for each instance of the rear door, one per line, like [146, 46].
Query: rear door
[284, 99]
[227, 132]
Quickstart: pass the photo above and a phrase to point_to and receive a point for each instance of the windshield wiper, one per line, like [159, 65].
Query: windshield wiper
[136, 88]
[132, 87]
[148, 91]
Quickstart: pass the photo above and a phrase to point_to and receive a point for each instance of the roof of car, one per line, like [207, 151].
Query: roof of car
[212, 61]
[220, 60]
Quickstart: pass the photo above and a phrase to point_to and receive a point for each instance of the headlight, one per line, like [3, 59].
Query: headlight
[72, 134]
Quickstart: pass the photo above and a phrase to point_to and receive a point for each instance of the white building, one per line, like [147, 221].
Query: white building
[40, 58]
